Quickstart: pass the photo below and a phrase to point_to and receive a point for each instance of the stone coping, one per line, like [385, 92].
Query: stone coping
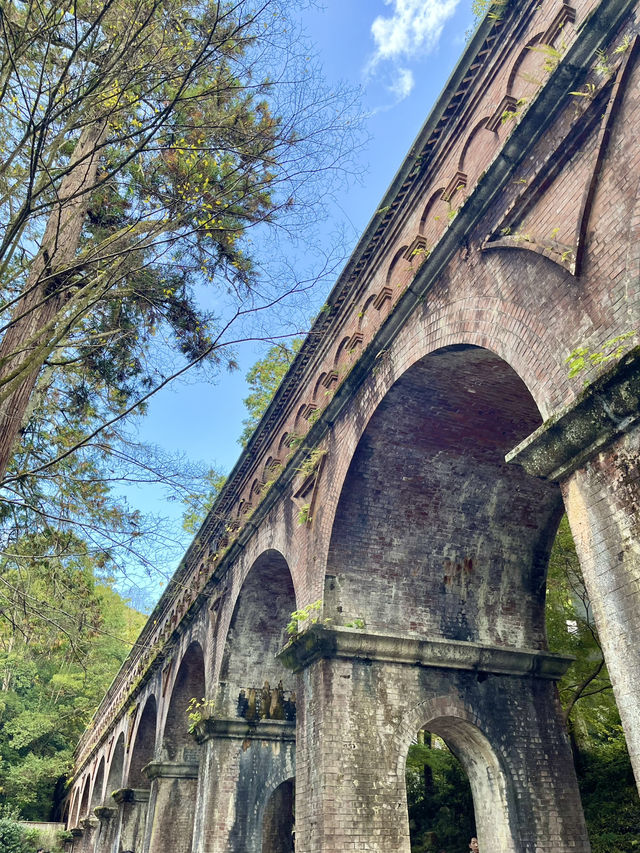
[320, 642]
[609, 407]
[239, 729]
[170, 770]
[131, 795]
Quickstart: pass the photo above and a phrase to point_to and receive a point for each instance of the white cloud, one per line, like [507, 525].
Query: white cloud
[412, 30]
[403, 83]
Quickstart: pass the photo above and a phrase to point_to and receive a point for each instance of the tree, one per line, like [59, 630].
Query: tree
[63, 637]
[572, 631]
[263, 379]
[141, 141]
[198, 505]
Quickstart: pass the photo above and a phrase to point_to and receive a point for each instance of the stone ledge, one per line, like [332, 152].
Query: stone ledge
[170, 770]
[131, 795]
[609, 407]
[104, 812]
[238, 729]
[350, 643]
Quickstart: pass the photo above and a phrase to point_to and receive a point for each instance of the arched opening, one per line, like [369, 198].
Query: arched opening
[278, 821]
[144, 745]
[98, 785]
[253, 683]
[73, 809]
[434, 533]
[256, 699]
[177, 742]
[116, 766]
[450, 767]
[84, 803]
[439, 554]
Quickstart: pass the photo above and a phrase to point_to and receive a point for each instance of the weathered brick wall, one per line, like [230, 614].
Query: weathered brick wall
[350, 768]
[434, 534]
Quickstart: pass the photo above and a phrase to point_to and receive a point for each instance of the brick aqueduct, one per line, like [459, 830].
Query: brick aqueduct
[376, 490]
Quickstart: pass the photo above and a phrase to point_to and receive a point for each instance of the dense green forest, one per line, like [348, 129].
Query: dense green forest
[63, 636]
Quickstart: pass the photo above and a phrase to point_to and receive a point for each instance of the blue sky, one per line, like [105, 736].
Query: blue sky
[400, 52]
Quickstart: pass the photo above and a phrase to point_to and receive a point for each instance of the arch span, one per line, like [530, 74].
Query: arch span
[143, 745]
[434, 534]
[493, 797]
[98, 785]
[262, 610]
[278, 819]
[116, 767]
[189, 685]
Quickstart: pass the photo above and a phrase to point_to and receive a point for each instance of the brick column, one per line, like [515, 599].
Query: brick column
[592, 449]
[365, 698]
[76, 843]
[242, 765]
[132, 804]
[172, 798]
[89, 833]
[105, 835]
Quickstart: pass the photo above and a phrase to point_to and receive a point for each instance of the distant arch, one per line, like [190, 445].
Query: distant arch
[98, 785]
[84, 803]
[261, 612]
[177, 741]
[144, 745]
[116, 768]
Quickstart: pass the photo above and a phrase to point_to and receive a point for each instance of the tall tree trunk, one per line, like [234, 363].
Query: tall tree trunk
[32, 330]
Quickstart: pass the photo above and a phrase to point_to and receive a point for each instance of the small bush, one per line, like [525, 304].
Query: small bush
[13, 838]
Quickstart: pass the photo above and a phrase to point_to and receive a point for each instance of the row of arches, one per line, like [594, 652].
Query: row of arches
[432, 535]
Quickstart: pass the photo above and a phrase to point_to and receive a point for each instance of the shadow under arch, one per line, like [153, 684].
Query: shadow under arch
[251, 739]
[434, 534]
[495, 824]
[98, 785]
[83, 810]
[278, 819]
[143, 746]
[116, 768]
[257, 632]
[177, 741]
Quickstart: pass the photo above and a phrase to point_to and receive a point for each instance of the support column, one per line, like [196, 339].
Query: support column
[133, 803]
[365, 698]
[603, 506]
[172, 799]
[90, 831]
[108, 818]
[76, 842]
[242, 765]
[592, 448]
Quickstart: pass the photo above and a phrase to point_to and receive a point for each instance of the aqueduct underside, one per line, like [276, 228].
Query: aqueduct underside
[376, 489]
